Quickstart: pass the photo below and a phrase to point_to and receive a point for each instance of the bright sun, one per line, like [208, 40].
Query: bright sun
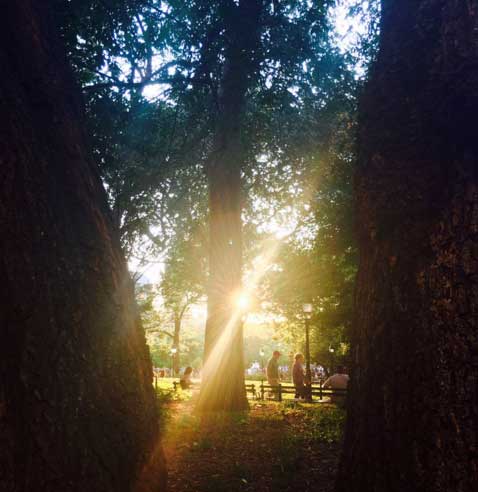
[243, 301]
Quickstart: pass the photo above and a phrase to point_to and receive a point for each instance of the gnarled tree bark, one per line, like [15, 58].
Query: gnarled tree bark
[414, 393]
[77, 408]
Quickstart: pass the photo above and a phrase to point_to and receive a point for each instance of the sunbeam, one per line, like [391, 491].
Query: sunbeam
[219, 356]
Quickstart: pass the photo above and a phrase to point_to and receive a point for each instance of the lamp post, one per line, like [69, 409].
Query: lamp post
[291, 365]
[262, 353]
[307, 310]
[331, 351]
[173, 353]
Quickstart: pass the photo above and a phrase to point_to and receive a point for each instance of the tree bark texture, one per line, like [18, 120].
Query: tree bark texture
[413, 404]
[77, 408]
[223, 374]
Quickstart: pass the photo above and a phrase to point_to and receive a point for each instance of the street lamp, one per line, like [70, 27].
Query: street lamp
[331, 351]
[307, 310]
[173, 353]
[262, 353]
[291, 366]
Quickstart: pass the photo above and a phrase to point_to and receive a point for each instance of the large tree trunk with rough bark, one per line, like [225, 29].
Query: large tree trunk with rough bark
[413, 406]
[77, 409]
[223, 373]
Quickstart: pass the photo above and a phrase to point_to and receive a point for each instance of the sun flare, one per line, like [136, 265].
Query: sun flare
[219, 356]
[243, 301]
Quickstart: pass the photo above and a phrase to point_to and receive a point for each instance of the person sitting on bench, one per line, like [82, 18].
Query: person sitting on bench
[339, 381]
[185, 381]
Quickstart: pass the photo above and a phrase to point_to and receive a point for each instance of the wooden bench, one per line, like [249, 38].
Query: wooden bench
[280, 390]
[177, 384]
[250, 388]
[313, 390]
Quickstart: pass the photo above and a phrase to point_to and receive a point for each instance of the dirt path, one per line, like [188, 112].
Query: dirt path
[273, 448]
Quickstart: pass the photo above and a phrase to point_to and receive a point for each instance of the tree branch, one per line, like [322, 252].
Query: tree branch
[161, 332]
[125, 85]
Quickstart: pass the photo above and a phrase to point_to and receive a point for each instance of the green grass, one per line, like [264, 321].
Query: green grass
[165, 391]
[318, 422]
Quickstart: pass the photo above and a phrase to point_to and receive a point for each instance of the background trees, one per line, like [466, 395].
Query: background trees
[77, 406]
[183, 283]
[152, 79]
[250, 102]
[414, 393]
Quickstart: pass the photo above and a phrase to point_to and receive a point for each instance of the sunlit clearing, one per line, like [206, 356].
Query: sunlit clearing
[220, 355]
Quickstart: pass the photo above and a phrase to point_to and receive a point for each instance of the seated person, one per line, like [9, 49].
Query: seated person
[339, 380]
[185, 381]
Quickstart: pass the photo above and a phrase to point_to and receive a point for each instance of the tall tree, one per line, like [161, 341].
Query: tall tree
[223, 374]
[77, 409]
[267, 66]
[414, 393]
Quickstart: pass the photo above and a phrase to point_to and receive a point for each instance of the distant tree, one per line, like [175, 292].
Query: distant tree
[414, 394]
[77, 408]
[158, 322]
[223, 374]
[183, 283]
[264, 49]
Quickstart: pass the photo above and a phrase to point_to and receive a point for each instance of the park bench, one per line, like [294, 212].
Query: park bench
[316, 389]
[177, 385]
[250, 388]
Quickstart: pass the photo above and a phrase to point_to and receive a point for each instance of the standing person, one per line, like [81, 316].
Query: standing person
[272, 371]
[298, 376]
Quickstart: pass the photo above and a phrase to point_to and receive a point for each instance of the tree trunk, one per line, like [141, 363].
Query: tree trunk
[413, 410]
[177, 331]
[223, 372]
[77, 409]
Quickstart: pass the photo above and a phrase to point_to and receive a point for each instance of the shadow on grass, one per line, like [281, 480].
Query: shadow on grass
[274, 447]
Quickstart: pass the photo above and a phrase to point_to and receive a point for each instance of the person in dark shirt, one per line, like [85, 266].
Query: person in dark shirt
[272, 371]
[298, 376]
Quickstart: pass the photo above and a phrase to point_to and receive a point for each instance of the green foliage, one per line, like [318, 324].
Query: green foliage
[151, 151]
[145, 171]
[366, 13]
[183, 280]
[317, 264]
[165, 307]
[154, 321]
[297, 132]
[160, 341]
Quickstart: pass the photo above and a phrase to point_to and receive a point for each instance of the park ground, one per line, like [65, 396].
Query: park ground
[274, 447]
